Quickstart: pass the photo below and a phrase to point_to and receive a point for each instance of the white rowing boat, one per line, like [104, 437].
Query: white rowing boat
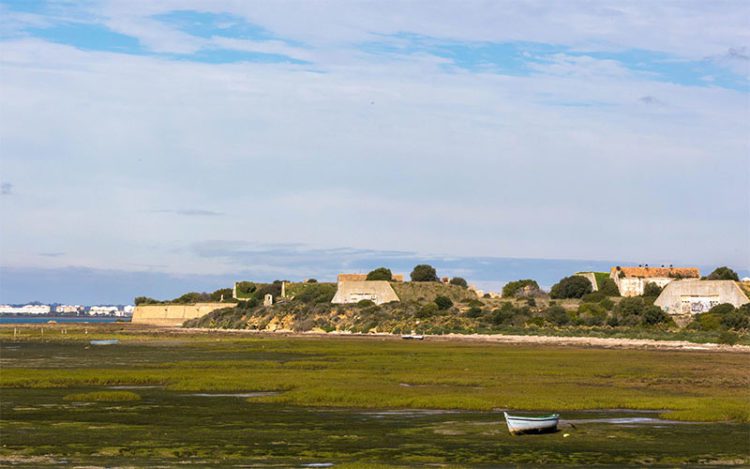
[518, 424]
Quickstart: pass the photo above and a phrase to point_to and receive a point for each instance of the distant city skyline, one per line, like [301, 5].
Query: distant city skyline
[153, 147]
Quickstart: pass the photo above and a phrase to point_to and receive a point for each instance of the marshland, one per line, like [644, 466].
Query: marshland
[222, 398]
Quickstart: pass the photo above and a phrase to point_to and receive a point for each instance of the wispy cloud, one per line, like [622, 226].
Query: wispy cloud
[6, 188]
[191, 212]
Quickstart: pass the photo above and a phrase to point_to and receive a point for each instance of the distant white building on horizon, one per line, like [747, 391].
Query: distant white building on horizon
[105, 311]
[26, 309]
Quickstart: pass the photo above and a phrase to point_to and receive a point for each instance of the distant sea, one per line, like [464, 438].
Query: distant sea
[58, 319]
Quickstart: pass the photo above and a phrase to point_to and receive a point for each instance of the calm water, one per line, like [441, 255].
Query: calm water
[64, 319]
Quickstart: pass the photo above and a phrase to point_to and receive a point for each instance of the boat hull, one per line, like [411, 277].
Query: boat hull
[518, 425]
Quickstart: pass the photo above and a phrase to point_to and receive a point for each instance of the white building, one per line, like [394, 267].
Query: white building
[68, 309]
[104, 310]
[699, 296]
[631, 281]
[27, 309]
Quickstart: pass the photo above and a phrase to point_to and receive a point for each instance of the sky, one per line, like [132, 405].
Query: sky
[155, 147]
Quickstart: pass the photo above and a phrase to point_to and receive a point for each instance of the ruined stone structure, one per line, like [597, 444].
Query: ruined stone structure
[377, 291]
[172, 314]
[632, 280]
[698, 296]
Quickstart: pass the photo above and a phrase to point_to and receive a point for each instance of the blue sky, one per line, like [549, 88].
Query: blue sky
[331, 135]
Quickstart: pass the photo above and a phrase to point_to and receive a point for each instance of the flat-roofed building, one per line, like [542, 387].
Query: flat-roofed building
[631, 281]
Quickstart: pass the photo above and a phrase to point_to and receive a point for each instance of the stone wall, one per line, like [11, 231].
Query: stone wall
[698, 296]
[173, 314]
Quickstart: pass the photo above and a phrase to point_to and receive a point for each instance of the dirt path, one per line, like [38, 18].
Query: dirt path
[598, 342]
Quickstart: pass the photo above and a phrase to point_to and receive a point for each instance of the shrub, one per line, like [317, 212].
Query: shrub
[503, 315]
[594, 297]
[192, 297]
[706, 322]
[511, 288]
[428, 310]
[609, 288]
[245, 289]
[424, 273]
[475, 312]
[736, 320]
[443, 302]
[530, 301]
[724, 273]
[223, 294]
[723, 308]
[365, 303]
[592, 314]
[653, 315]
[556, 315]
[458, 281]
[631, 306]
[651, 289]
[574, 286]
[312, 280]
[381, 273]
[316, 293]
[728, 338]
[607, 304]
[274, 289]
[144, 300]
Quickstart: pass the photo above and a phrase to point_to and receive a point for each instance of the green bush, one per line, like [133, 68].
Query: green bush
[381, 273]
[144, 300]
[724, 273]
[594, 297]
[245, 289]
[192, 297]
[314, 293]
[607, 304]
[365, 303]
[312, 280]
[443, 302]
[556, 315]
[651, 289]
[653, 315]
[631, 306]
[728, 338]
[736, 320]
[475, 312]
[503, 315]
[723, 308]
[511, 288]
[427, 310]
[592, 314]
[223, 294]
[609, 288]
[424, 273]
[574, 286]
[458, 281]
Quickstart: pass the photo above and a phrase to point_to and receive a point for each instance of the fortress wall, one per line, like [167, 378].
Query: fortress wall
[172, 314]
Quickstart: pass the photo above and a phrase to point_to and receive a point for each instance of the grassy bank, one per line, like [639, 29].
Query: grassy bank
[384, 373]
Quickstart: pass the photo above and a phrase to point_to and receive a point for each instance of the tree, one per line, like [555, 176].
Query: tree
[631, 306]
[459, 281]
[424, 273]
[381, 273]
[443, 302]
[511, 288]
[574, 286]
[651, 289]
[724, 273]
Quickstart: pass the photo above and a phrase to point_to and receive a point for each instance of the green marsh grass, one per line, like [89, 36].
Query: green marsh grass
[103, 396]
[380, 373]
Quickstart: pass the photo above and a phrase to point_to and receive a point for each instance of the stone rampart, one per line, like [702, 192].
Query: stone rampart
[173, 314]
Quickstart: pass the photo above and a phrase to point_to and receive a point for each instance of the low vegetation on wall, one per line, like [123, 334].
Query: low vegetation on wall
[221, 295]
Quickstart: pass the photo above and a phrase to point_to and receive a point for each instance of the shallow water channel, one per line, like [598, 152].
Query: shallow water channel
[170, 428]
